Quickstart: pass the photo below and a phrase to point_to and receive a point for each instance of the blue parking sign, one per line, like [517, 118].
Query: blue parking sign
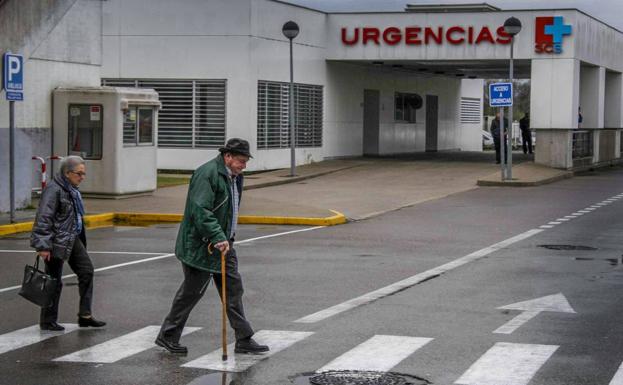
[13, 76]
[501, 94]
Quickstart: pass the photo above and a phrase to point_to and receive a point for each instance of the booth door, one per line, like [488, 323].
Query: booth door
[431, 122]
[371, 119]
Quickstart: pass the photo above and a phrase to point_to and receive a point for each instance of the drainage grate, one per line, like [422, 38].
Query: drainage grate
[353, 377]
[568, 247]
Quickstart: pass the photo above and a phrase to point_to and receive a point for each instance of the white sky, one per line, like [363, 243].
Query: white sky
[608, 11]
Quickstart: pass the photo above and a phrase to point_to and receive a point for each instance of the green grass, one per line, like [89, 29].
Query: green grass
[167, 181]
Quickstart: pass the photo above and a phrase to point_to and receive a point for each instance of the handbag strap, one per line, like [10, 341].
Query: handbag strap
[37, 257]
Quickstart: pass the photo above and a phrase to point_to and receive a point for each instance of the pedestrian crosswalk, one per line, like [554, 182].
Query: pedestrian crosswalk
[276, 339]
[380, 353]
[503, 363]
[119, 348]
[508, 364]
[28, 336]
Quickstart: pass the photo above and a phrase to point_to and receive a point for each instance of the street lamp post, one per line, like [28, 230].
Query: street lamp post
[291, 30]
[512, 26]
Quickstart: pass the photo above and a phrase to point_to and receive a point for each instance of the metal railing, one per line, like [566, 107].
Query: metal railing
[582, 144]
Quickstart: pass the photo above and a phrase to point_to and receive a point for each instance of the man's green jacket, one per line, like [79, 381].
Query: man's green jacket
[207, 216]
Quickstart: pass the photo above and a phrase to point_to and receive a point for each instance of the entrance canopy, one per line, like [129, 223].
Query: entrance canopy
[574, 61]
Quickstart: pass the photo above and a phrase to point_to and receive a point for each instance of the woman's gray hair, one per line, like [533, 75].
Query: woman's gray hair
[69, 163]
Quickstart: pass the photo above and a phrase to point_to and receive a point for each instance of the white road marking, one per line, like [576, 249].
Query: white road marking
[102, 269]
[507, 364]
[277, 340]
[531, 308]
[380, 353]
[618, 377]
[280, 234]
[563, 219]
[119, 348]
[160, 256]
[546, 227]
[30, 335]
[413, 280]
[553, 223]
[31, 251]
[516, 322]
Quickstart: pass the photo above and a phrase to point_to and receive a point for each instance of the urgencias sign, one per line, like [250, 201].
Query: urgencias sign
[415, 35]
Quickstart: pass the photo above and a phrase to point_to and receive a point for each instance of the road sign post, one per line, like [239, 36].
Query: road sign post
[13, 84]
[501, 95]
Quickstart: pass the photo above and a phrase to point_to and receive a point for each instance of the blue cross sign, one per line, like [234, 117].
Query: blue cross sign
[558, 30]
[13, 76]
[501, 94]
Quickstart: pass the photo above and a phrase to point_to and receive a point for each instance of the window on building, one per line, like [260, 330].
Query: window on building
[470, 110]
[193, 113]
[273, 112]
[85, 130]
[138, 126]
[405, 106]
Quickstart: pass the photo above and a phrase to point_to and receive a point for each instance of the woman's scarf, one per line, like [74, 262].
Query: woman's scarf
[77, 198]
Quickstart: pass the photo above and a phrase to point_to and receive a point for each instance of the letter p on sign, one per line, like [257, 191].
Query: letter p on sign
[13, 72]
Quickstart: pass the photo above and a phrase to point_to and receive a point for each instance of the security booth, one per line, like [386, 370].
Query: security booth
[114, 130]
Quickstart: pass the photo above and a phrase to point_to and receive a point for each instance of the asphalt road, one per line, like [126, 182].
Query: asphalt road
[463, 258]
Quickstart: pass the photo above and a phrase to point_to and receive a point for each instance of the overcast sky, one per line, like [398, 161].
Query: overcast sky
[608, 11]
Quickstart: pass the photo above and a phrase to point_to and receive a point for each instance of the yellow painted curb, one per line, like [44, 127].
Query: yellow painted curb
[336, 219]
[15, 228]
[148, 217]
[108, 219]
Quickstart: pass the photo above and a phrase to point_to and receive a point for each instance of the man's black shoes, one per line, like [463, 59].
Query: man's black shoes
[51, 326]
[248, 345]
[171, 347]
[84, 322]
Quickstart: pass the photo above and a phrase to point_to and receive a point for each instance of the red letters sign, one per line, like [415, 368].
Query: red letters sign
[415, 35]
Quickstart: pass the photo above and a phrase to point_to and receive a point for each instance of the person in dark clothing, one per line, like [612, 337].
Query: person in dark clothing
[526, 134]
[495, 132]
[58, 235]
[211, 218]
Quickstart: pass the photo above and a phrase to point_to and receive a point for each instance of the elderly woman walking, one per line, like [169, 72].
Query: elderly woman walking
[58, 235]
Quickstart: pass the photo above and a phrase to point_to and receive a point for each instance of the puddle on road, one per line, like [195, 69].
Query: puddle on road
[612, 261]
[568, 247]
[223, 378]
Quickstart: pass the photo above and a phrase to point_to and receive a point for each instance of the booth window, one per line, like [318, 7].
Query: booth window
[193, 113]
[405, 106]
[85, 130]
[138, 126]
[273, 109]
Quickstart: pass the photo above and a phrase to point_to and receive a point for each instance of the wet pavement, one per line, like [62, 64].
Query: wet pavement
[439, 329]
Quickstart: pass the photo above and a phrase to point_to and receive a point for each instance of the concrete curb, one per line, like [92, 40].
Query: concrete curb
[107, 219]
[287, 180]
[519, 183]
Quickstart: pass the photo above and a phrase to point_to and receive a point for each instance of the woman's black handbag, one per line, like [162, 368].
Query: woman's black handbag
[37, 286]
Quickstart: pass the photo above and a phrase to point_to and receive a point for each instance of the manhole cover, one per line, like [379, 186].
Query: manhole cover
[568, 247]
[353, 377]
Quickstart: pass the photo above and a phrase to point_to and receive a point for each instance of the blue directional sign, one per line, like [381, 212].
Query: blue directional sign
[13, 76]
[501, 94]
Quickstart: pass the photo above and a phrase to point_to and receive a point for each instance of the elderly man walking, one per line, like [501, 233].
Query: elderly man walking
[210, 217]
[58, 235]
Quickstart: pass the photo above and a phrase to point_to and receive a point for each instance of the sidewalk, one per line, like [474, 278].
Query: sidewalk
[359, 188]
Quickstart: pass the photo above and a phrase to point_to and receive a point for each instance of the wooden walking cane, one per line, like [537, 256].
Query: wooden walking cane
[224, 302]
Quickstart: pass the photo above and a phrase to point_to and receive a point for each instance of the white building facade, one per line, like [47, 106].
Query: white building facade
[234, 55]
[365, 83]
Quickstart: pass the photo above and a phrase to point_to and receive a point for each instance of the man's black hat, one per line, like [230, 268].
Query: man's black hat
[236, 146]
